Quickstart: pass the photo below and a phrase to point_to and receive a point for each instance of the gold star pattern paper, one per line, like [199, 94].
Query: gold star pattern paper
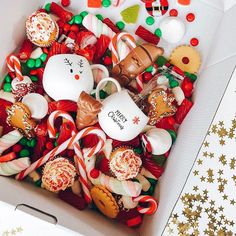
[13, 231]
[207, 204]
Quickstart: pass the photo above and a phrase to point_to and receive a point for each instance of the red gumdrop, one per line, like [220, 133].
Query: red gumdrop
[104, 165]
[65, 3]
[74, 200]
[134, 221]
[17, 148]
[187, 87]
[146, 77]
[190, 17]
[94, 173]
[194, 42]
[66, 27]
[74, 28]
[173, 12]
[107, 61]
[49, 145]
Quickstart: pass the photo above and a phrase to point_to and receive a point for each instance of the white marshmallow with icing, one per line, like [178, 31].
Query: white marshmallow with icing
[173, 29]
[160, 140]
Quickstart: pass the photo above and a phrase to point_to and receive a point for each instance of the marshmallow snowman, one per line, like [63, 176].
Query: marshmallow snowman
[66, 76]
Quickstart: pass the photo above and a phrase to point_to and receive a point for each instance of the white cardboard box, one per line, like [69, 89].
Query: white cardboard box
[216, 29]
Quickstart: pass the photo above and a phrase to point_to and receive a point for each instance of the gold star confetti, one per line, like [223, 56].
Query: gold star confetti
[222, 159]
[199, 162]
[225, 197]
[206, 144]
[195, 188]
[222, 142]
[196, 172]
[232, 202]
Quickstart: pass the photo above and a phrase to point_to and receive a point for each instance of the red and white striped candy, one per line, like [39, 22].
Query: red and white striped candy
[13, 65]
[81, 169]
[51, 120]
[117, 3]
[151, 209]
[119, 52]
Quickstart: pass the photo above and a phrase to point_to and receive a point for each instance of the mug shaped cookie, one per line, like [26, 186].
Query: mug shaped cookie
[120, 118]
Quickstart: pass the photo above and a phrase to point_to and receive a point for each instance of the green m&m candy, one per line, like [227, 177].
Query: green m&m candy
[100, 17]
[172, 134]
[30, 63]
[120, 25]
[84, 13]
[43, 57]
[24, 153]
[47, 7]
[23, 141]
[7, 87]
[34, 78]
[78, 19]
[38, 62]
[173, 83]
[158, 32]
[8, 78]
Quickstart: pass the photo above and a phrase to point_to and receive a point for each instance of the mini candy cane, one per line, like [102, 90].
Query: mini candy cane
[93, 24]
[14, 167]
[146, 210]
[9, 139]
[120, 50]
[81, 168]
[117, 3]
[13, 65]
[126, 188]
[139, 80]
[64, 146]
[51, 119]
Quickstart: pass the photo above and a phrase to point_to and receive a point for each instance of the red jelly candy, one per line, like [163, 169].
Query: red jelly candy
[190, 17]
[60, 12]
[173, 12]
[183, 110]
[64, 105]
[69, 197]
[102, 45]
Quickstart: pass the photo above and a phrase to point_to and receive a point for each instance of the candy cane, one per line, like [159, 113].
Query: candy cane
[153, 205]
[126, 188]
[9, 139]
[51, 120]
[117, 3]
[14, 167]
[81, 168]
[117, 48]
[13, 65]
[64, 146]
[139, 80]
[93, 24]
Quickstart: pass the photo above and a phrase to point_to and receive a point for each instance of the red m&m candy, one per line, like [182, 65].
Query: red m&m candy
[194, 42]
[173, 12]
[190, 17]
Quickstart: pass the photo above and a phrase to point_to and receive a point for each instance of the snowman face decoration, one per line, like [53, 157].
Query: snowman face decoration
[66, 76]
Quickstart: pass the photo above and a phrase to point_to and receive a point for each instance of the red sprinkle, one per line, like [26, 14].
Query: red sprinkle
[173, 12]
[185, 60]
[194, 42]
[17, 148]
[65, 3]
[190, 17]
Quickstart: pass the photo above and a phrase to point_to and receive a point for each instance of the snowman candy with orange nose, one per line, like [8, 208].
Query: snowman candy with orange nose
[67, 75]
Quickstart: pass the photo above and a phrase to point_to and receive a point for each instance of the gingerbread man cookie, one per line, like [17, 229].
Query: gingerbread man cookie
[19, 117]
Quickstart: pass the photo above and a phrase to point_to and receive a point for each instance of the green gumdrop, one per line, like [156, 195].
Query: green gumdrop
[23, 141]
[158, 32]
[102, 94]
[34, 78]
[8, 78]
[150, 20]
[38, 62]
[47, 7]
[30, 63]
[38, 183]
[138, 150]
[43, 57]
[78, 19]
[130, 14]
[106, 3]
[161, 61]
[192, 77]
[24, 153]
[28, 143]
[149, 69]
[173, 83]
[7, 87]
[172, 134]
[100, 17]
[120, 25]
[84, 13]
[71, 22]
